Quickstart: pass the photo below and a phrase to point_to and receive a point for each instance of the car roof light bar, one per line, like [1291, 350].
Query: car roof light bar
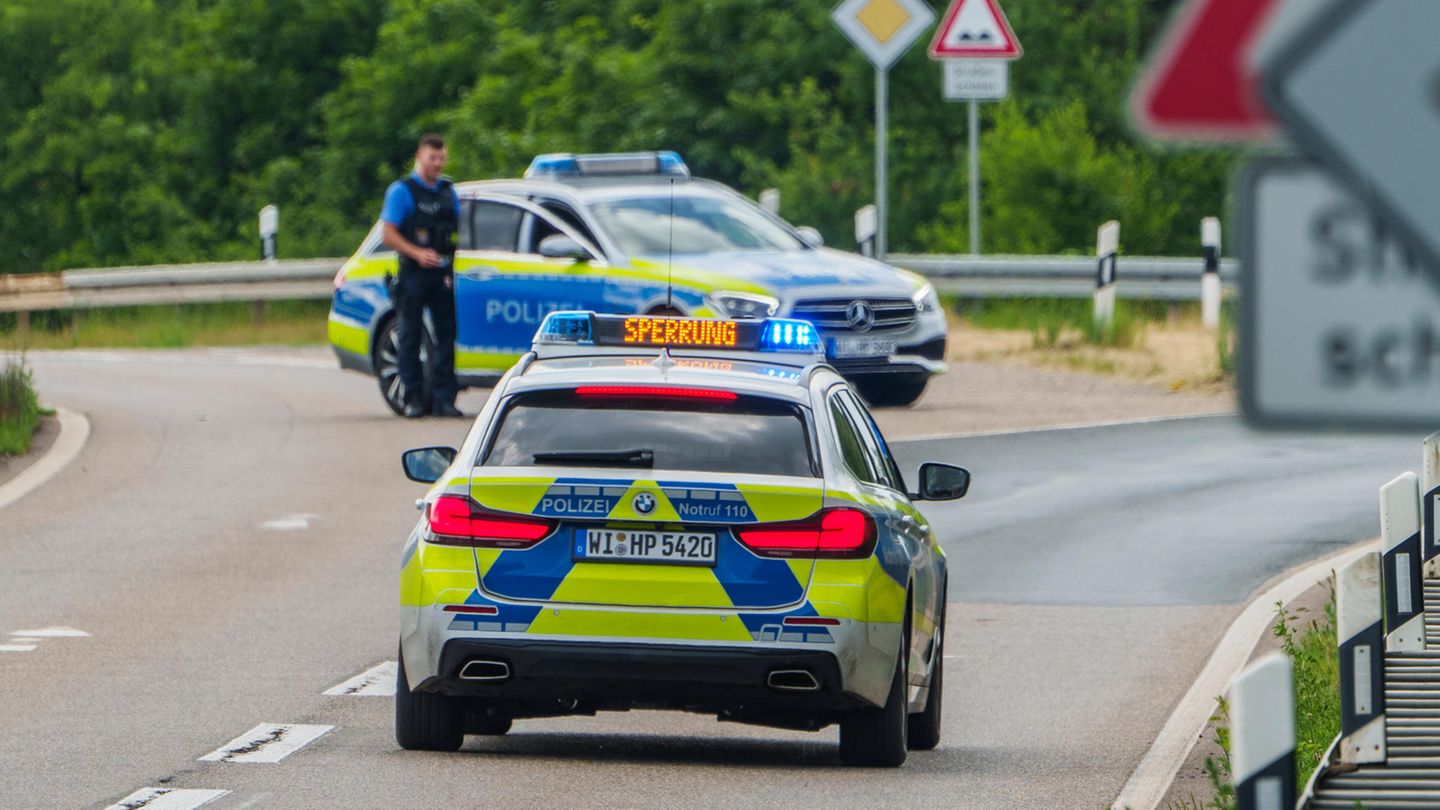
[773, 336]
[567, 164]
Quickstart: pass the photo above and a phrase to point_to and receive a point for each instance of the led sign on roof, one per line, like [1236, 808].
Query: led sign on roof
[642, 331]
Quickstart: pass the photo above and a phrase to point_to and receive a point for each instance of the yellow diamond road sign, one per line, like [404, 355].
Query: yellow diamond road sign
[883, 29]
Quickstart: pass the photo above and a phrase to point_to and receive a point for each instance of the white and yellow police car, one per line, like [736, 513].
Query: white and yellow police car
[674, 513]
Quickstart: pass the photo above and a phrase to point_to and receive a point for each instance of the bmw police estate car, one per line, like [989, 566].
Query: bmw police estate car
[690, 514]
[595, 233]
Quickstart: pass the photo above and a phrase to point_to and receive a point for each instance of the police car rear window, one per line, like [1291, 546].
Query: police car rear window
[752, 435]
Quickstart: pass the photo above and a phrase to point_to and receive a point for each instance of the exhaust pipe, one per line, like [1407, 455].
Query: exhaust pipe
[793, 680]
[483, 670]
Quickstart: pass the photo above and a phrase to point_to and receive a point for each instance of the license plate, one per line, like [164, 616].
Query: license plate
[626, 545]
[842, 347]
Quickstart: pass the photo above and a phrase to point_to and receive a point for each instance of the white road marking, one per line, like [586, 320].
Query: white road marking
[289, 523]
[52, 632]
[985, 434]
[16, 647]
[267, 742]
[74, 430]
[155, 798]
[377, 681]
[1155, 773]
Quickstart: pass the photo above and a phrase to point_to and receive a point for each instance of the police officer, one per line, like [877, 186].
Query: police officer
[421, 220]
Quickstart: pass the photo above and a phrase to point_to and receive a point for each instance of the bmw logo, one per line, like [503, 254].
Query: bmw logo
[644, 503]
[860, 316]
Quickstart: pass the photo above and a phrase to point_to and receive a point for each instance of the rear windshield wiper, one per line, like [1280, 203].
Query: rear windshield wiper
[640, 457]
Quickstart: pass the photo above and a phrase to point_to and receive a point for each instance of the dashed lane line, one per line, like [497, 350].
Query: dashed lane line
[377, 681]
[267, 743]
[16, 648]
[158, 798]
[52, 632]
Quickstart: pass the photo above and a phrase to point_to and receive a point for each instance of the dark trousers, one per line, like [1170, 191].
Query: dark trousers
[415, 292]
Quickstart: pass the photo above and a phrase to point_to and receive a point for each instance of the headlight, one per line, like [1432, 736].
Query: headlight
[926, 300]
[748, 306]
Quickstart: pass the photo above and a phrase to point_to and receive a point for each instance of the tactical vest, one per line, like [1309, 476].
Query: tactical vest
[432, 224]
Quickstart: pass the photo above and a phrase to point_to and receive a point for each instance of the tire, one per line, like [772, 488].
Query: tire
[425, 721]
[387, 368]
[923, 733]
[875, 738]
[893, 390]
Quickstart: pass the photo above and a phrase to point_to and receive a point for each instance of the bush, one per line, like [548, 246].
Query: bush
[19, 408]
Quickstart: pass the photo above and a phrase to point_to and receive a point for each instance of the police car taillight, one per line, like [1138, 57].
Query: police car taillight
[455, 521]
[840, 533]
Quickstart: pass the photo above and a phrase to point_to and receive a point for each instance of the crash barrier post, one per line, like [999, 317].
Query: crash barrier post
[1107, 244]
[1262, 737]
[1430, 487]
[866, 226]
[1358, 616]
[770, 200]
[1400, 544]
[1210, 278]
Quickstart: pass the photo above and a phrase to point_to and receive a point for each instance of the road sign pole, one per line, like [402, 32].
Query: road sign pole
[882, 207]
[974, 178]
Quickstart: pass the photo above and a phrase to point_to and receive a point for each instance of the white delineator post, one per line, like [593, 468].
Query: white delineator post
[866, 223]
[1210, 278]
[269, 228]
[1107, 244]
[770, 200]
[1400, 545]
[1359, 609]
[1262, 736]
[1430, 489]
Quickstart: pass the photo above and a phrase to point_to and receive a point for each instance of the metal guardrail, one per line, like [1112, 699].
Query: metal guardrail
[1168, 279]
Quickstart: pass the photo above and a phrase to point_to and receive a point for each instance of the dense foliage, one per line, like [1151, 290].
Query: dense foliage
[137, 131]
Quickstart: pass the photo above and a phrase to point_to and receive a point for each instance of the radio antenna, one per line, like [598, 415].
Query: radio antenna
[670, 253]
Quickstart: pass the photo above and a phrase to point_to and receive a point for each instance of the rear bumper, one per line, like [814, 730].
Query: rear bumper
[732, 682]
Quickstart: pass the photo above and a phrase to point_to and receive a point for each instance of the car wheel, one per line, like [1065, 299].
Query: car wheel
[387, 368]
[426, 721]
[923, 733]
[893, 390]
[876, 737]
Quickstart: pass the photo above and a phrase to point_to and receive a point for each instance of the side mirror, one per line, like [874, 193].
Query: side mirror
[427, 464]
[560, 246]
[942, 482]
[810, 236]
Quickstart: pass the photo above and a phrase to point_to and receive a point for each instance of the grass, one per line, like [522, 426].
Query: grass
[169, 326]
[1053, 322]
[1313, 649]
[19, 408]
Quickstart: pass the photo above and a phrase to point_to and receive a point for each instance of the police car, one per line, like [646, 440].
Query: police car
[594, 232]
[674, 513]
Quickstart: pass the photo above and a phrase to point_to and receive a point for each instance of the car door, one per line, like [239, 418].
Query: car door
[504, 287]
[909, 526]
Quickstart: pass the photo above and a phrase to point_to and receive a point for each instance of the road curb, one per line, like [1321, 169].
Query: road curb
[1152, 778]
[74, 432]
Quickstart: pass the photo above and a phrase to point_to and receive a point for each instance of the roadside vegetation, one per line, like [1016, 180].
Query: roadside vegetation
[150, 131]
[19, 408]
[1156, 342]
[1313, 649]
[170, 326]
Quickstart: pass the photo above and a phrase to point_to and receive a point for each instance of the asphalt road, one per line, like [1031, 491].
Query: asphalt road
[229, 540]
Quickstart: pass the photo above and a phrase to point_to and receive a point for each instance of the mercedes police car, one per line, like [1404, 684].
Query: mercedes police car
[596, 232]
[674, 513]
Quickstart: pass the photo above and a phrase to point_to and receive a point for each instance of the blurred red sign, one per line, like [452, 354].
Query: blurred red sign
[1199, 84]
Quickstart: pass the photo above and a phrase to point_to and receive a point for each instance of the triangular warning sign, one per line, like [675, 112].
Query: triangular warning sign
[975, 29]
[1199, 84]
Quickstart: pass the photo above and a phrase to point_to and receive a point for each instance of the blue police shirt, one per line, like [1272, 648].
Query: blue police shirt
[399, 204]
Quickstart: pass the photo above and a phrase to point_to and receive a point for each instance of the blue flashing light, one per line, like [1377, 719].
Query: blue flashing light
[783, 335]
[670, 163]
[566, 327]
[555, 163]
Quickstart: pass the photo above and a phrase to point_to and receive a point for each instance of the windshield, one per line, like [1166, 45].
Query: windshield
[561, 428]
[641, 226]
